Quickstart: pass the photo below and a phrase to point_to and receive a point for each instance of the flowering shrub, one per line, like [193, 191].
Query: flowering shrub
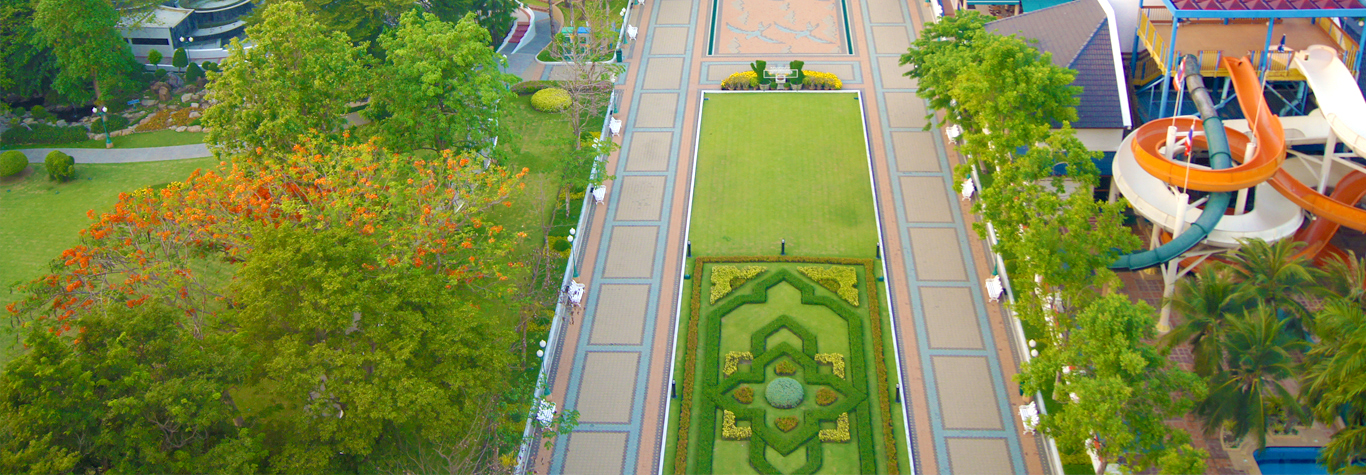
[839, 279]
[733, 360]
[551, 99]
[743, 395]
[786, 424]
[784, 393]
[840, 433]
[821, 80]
[785, 368]
[826, 396]
[727, 278]
[835, 360]
[730, 431]
[743, 80]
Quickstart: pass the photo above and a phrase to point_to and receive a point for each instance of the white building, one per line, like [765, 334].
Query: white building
[202, 27]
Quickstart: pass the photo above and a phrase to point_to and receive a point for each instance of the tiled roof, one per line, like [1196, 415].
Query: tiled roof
[1077, 33]
[1223, 5]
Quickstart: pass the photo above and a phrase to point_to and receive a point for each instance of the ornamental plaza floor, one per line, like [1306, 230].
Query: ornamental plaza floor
[957, 359]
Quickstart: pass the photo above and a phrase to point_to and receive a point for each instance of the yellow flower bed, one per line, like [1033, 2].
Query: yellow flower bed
[835, 360]
[840, 279]
[730, 431]
[733, 360]
[822, 80]
[741, 80]
[840, 433]
[724, 278]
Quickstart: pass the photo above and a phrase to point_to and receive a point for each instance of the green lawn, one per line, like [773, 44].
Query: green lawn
[783, 166]
[159, 138]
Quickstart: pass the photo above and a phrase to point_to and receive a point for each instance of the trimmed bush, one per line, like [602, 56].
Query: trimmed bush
[839, 279]
[116, 122]
[193, 72]
[784, 393]
[154, 57]
[60, 166]
[12, 162]
[741, 81]
[785, 368]
[159, 74]
[40, 113]
[786, 424]
[743, 395]
[42, 134]
[727, 278]
[211, 66]
[531, 87]
[179, 59]
[841, 433]
[551, 99]
[826, 396]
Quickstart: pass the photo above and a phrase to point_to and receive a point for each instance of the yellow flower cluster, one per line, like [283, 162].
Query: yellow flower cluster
[835, 360]
[730, 431]
[822, 80]
[841, 279]
[726, 278]
[733, 360]
[741, 80]
[840, 433]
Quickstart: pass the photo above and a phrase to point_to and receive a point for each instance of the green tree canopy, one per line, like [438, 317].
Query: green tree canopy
[298, 77]
[26, 66]
[89, 51]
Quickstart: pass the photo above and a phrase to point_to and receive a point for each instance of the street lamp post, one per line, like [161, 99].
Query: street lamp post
[104, 118]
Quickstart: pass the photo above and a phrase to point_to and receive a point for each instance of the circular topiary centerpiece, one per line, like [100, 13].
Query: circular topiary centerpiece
[784, 393]
[551, 99]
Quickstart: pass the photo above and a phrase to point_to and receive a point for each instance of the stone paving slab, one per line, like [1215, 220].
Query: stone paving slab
[905, 110]
[674, 12]
[926, 199]
[890, 39]
[779, 26]
[608, 387]
[938, 255]
[596, 453]
[663, 73]
[671, 40]
[631, 252]
[649, 152]
[719, 72]
[979, 456]
[950, 318]
[619, 317]
[885, 11]
[639, 198]
[915, 152]
[656, 110]
[967, 397]
[892, 74]
[844, 71]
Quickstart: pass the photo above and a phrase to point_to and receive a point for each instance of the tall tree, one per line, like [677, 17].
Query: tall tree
[1120, 390]
[362, 21]
[90, 53]
[297, 78]
[1205, 302]
[1278, 275]
[443, 85]
[1334, 383]
[1249, 390]
[26, 67]
[494, 15]
[590, 48]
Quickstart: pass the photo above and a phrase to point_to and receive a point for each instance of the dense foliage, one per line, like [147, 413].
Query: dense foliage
[60, 166]
[12, 162]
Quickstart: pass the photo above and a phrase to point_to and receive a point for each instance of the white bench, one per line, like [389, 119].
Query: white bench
[969, 188]
[615, 126]
[599, 193]
[994, 288]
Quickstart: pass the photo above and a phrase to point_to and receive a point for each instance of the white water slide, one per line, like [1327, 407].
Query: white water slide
[1339, 96]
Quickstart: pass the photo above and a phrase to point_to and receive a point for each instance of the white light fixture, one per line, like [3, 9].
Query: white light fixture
[542, 343]
[540, 353]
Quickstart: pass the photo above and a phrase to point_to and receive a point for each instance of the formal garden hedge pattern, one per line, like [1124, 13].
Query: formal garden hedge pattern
[841, 400]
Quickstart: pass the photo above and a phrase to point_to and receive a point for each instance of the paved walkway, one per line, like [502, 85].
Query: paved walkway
[956, 355]
[123, 155]
[522, 56]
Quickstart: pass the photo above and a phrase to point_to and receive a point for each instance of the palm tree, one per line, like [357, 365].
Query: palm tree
[1276, 274]
[1334, 382]
[1345, 276]
[1248, 387]
[1202, 303]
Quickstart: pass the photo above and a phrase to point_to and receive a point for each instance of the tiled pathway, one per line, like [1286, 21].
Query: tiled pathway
[613, 367]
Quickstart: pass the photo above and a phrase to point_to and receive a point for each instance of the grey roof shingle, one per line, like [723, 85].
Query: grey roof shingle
[1077, 33]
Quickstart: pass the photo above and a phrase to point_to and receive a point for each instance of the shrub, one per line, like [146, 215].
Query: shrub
[116, 122]
[743, 80]
[786, 424]
[839, 279]
[785, 368]
[531, 87]
[179, 59]
[551, 99]
[12, 162]
[730, 431]
[43, 134]
[727, 278]
[743, 395]
[826, 396]
[733, 360]
[841, 433]
[154, 57]
[784, 393]
[211, 66]
[835, 360]
[40, 113]
[60, 166]
[193, 73]
[159, 74]
[822, 80]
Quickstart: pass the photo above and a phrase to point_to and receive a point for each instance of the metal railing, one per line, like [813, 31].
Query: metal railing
[1277, 65]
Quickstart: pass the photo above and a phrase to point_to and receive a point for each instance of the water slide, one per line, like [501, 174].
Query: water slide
[1342, 105]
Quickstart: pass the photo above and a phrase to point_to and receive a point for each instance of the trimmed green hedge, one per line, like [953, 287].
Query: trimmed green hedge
[550, 100]
[531, 87]
[60, 166]
[42, 134]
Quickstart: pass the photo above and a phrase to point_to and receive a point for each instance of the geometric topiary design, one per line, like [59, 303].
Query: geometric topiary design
[784, 393]
[727, 278]
[841, 280]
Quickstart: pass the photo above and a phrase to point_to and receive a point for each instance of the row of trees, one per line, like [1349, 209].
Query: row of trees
[328, 299]
[1113, 388]
[1254, 340]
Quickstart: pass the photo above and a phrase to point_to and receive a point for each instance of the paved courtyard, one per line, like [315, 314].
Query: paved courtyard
[956, 360]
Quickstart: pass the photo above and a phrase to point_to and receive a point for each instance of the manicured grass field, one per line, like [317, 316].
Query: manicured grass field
[776, 166]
